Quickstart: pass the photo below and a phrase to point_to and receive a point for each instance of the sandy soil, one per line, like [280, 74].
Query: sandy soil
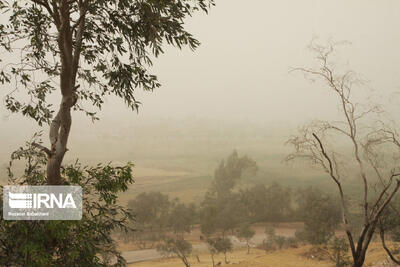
[258, 258]
[240, 258]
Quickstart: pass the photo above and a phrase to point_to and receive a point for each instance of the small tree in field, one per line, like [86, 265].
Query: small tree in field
[84, 50]
[224, 245]
[370, 154]
[177, 246]
[219, 245]
[179, 221]
[269, 242]
[212, 249]
[247, 234]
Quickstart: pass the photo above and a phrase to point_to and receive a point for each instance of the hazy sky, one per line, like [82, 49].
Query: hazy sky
[241, 69]
[240, 72]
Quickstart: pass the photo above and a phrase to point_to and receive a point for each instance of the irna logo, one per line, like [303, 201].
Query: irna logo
[63, 202]
[37, 201]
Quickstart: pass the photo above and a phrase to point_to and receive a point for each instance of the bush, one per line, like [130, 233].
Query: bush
[270, 232]
[339, 252]
[245, 232]
[273, 241]
[267, 245]
[300, 236]
[321, 214]
[291, 242]
[280, 241]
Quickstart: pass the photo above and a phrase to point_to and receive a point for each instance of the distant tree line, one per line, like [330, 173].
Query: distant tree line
[228, 210]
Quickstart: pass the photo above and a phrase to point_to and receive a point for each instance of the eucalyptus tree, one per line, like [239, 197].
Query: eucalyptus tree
[84, 51]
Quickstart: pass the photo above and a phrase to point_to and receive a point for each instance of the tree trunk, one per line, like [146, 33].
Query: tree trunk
[358, 263]
[359, 256]
[69, 56]
[59, 133]
[185, 261]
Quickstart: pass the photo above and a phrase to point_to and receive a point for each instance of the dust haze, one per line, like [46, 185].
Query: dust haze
[235, 92]
[214, 146]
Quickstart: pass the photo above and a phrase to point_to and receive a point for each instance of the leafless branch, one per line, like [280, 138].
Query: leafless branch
[368, 146]
[382, 235]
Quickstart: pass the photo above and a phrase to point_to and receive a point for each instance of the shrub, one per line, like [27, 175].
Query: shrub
[268, 245]
[291, 242]
[273, 241]
[339, 252]
[84, 243]
[300, 236]
[321, 214]
[280, 241]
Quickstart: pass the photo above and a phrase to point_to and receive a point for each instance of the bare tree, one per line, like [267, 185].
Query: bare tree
[357, 146]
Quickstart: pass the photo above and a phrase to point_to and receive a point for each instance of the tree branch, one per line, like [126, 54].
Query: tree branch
[382, 235]
[42, 148]
[80, 24]
[331, 173]
[52, 12]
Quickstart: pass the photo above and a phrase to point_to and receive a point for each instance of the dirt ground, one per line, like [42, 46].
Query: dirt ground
[293, 257]
[257, 258]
